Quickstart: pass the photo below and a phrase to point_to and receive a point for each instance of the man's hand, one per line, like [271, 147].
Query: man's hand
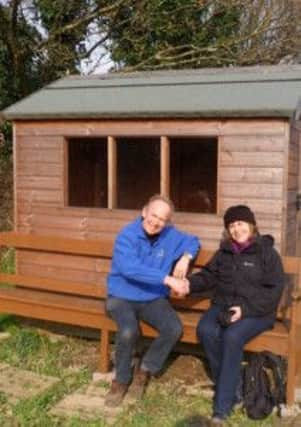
[181, 267]
[237, 313]
[180, 287]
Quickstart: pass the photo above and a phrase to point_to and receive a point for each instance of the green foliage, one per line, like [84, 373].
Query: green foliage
[6, 130]
[6, 192]
[7, 263]
[18, 66]
[38, 43]
[153, 27]
[157, 34]
[65, 25]
[7, 321]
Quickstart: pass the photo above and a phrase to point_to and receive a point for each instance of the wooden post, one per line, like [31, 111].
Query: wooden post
[292, 353]
[104, 362]
[66, 194]
[112, 172]
[165, 167]
[298, 225]
[15, 172]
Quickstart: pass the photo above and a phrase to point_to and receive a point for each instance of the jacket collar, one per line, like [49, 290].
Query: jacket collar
[227, 246]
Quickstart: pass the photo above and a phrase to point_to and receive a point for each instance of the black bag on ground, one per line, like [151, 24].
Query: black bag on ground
[263, 384]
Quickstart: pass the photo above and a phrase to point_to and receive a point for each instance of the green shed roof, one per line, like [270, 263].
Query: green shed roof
[259, 91]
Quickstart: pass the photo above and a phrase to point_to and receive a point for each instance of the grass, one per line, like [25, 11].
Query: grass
[7, 262]
[7, 265]
[165, 405]
[27, 349]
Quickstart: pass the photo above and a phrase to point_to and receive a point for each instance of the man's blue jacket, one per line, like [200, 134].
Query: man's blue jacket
[140, 264]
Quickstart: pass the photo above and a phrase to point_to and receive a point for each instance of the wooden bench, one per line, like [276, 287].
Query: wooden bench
[83, 304]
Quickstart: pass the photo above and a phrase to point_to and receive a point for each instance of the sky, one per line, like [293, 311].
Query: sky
[99, 61]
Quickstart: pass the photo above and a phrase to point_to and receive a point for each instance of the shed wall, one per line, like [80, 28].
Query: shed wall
[251, 164]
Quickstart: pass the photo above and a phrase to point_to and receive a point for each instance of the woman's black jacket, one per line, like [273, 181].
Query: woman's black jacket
[252, 279]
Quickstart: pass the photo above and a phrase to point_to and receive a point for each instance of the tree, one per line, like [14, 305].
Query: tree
[42, 40]
[158, 34]
[15, 55]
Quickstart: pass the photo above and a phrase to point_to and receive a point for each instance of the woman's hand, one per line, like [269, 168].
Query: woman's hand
[237, 313]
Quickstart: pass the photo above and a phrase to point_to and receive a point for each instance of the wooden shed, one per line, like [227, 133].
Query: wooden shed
[89, 151]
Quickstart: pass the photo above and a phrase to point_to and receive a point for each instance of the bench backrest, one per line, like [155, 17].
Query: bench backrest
[56, 245]
[94, 248]
[104, 249]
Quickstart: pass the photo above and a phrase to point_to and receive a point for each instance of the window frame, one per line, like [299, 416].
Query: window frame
[112, 165]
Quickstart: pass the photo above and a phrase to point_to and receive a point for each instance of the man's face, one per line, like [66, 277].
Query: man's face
[155, 216]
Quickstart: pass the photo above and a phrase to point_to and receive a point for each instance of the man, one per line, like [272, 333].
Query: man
[151, 258]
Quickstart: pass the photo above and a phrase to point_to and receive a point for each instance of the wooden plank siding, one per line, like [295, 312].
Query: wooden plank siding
[252, 173]
[251, 170]
[39, 170]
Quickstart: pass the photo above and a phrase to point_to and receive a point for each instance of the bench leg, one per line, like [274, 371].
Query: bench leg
[104, 361]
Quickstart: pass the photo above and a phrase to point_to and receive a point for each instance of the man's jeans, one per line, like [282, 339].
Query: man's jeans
[127, 314]
[224, 350]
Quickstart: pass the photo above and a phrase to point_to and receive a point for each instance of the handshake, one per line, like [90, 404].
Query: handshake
[179, 287]
[178, 283]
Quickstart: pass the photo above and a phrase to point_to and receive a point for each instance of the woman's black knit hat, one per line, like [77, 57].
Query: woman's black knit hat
[239, 213]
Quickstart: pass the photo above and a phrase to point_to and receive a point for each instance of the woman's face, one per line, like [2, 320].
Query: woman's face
[240, 231]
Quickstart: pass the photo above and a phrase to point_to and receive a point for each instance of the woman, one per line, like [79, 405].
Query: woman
[247, 279]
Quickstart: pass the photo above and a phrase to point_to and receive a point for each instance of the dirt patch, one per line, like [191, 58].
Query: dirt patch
[87, 403]
[188, 369]
[18, 384]
[84, 356]
[75, 357]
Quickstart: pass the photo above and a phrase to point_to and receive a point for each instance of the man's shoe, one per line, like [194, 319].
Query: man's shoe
[116, 394]
[138, 386]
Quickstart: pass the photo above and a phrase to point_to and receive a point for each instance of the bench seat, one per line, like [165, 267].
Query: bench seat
[90, 312]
